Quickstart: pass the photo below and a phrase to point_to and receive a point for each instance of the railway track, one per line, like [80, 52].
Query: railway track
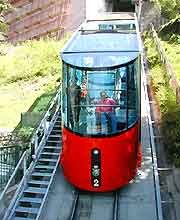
[84, 207]
[116, 206]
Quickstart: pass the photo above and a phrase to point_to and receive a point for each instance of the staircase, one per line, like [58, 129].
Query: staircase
[31, 199]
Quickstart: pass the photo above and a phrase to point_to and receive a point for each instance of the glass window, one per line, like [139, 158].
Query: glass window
[100, 102]
[132, 95]
[64, 95]
[73, 97]
[121, 96]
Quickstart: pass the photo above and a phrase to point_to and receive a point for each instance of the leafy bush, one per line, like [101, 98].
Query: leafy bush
[170, 9]
[152, 55]
[25, 134]
[174, 39]
[171, 131]
[170, 111]
[43, 102]
[172, 49]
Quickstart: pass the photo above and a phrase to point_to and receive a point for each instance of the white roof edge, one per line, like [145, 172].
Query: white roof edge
[111, 16]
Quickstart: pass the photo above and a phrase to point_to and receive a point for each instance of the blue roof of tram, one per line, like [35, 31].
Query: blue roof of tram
[102, 48]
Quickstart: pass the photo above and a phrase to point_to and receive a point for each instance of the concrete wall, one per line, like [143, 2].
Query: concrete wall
[38, 18]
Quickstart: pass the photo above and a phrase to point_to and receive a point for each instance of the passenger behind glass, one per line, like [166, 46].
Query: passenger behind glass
[75, 98]
[84, 93]
[105, 114]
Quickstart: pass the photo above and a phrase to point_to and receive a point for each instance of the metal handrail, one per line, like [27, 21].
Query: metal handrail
[45, 124]
[18, 166]
[138, 9]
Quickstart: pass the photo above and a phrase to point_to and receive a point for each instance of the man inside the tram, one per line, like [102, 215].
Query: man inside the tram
[105, 113]
[75, 98]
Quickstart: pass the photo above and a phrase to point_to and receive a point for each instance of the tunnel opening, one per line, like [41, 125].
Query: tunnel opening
[120, 5]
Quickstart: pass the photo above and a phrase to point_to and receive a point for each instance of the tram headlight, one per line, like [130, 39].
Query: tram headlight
[95, 152]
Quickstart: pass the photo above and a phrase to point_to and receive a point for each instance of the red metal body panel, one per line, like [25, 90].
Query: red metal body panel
[120, 157]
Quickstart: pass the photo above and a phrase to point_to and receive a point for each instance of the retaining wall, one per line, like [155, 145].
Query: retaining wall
[38, 18]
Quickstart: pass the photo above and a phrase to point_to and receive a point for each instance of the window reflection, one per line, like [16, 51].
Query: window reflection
[132, 95]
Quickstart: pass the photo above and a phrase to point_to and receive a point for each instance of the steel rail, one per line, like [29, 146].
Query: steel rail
[74, 205]
[116, 206]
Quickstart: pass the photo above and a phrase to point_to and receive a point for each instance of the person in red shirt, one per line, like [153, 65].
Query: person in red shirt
[105, 113]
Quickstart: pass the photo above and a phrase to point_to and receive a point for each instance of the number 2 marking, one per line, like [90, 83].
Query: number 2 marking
[96, 183]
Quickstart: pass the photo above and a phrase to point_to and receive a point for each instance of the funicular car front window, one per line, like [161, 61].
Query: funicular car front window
[100, 102]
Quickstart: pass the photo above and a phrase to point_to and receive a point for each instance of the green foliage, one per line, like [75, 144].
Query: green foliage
[29, 75]
[4, 6]
[152, 55]
[25, 134]
[30, 60]
[163, 92]
[171, 130]
[170, 111]
[43, 102]
[174, 39]
[170, 9]
[172, 48]
[170, 31]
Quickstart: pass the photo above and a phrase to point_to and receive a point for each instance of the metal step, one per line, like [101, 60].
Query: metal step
[58, 123]
[38, 182]
[31, 200]
[41, 174]
[57, 127]
[26, 210]
[54, 141]
[35, 190]
[56, 133]
[52, 147]
[22, 218]
[56, 130]
[47, 160]
[54, 136]
[44, 167]
[50, 153]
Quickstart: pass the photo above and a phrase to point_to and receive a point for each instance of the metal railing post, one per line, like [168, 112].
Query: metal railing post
[25, 163]
[35, 143]
[45, 126]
